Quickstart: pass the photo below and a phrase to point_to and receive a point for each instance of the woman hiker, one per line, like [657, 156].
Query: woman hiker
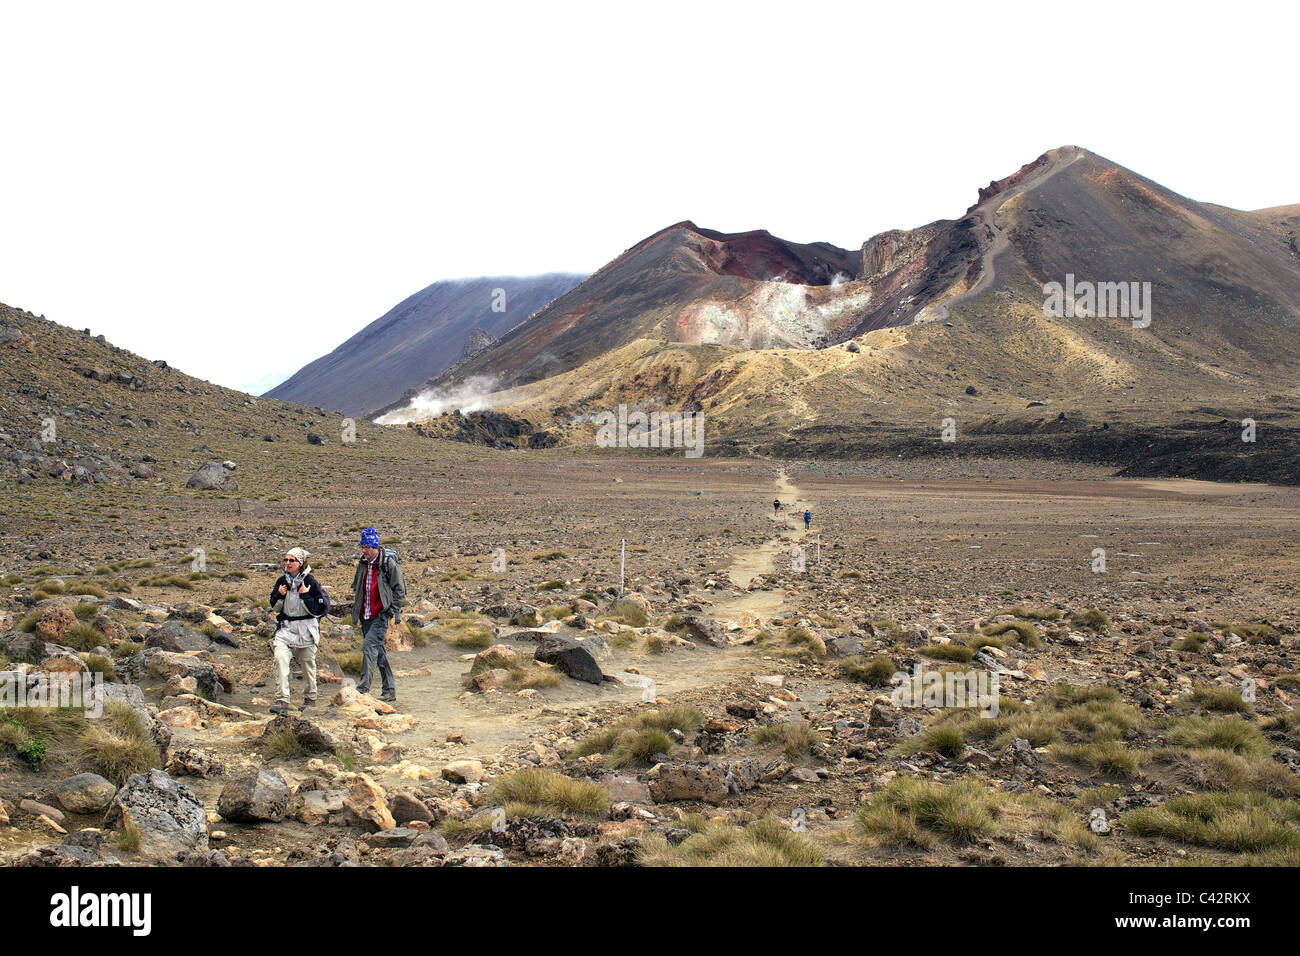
[299, 601]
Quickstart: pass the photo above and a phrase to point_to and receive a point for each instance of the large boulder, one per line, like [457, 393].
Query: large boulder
[569, 656]
[254, 796]
[18, 646]
[175, 637]
[85, 793]
[54, 623]
[705, 629]
[156, 664]
[697, 782]
[366, 803]
[167, 815]
[213, 476]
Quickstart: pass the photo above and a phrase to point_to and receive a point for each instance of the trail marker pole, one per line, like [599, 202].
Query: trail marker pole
[622, 564]
[819, 547]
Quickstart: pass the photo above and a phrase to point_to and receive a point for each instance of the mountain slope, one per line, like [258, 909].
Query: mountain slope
[947, 321]
[417, 339]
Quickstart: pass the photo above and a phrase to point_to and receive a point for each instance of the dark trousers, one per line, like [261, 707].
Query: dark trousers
[374, 654]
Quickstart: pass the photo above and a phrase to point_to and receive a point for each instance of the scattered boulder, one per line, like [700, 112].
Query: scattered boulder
[85, 793]
[311, 738]
[167, 815]
[699, 782]
[177, 638]
[570, 657]
[213, 476]
[54, 623]
[255, 796]
[705, 629]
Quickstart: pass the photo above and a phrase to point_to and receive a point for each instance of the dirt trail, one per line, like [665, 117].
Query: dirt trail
[749, 563]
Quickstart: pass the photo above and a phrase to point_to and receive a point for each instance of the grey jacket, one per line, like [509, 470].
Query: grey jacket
[392, 587]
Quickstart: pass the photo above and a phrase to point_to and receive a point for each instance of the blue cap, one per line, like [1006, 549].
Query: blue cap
[369, 538]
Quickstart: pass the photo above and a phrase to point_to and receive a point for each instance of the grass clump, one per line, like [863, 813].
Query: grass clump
[1105, 756]
[99, 664]
[84, 611]
[796, 737]
[1092, 620]
[805, 643]
[1232, 733]
[88, 590]
[118, 744]
[875, 672]
[553, 585]
[948, 652]
[1221, 770]
[654, 644]
[1032, 613]
[765, 842]
[550, 556]
[350, 662]
[851, 575]
[1219, 697]
[281, 743]
[83, 637]
[553, 791]
[917, 811]
[944, 738]
[636, 739]
[466, 632]
[1191, 642]
[28, 623]
[1249, 822]
[1025, 632]
[626, 612]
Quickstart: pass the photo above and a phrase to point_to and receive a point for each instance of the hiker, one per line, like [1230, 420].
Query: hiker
[807, 519]
[377, 595]
[776, 507]
[299, 601]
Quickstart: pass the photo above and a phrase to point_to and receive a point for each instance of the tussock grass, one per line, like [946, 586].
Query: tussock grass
[1104, 756]
[84, 611]
[629, 740]
[763, 843]
[555, 612]
[88, 590]
[977, 641]
[1191, 642]
[281, 743]
[128, 648]
[851, 575]
[99, 664]
[804, 643]
[1031, 613]
[350, 662]
[941, 738]
[553, 585]
[554, 791]
[83, 637]
[1218, 697]
[1249, 822]
[1221, 770]
[1025, 632]
[1232, 733]
[625, 612]
[796, 737]
[875, 672]
[118, 744]
[462, 632]
[948, 652]
[1252, 632]
[654, 644]
[550, 556]
[28, 624]
[921, 812]
[1092, 619]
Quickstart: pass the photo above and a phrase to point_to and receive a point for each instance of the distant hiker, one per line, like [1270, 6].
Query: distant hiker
[377, 595]
[776, 506]
[807, 519]
[299, 601]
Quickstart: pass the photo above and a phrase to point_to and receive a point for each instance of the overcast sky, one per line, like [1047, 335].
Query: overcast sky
[238, 187]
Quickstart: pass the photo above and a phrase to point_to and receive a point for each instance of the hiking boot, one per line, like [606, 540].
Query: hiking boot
[280, 707]
[389, 697]
[309, 702]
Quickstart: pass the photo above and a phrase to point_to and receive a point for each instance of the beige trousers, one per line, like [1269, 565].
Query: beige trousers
[306, 658]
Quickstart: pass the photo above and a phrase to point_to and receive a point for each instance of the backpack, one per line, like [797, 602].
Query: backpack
[325, 600]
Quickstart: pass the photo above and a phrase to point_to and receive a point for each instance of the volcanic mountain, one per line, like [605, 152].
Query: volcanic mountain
[812, 348]
[417, 339]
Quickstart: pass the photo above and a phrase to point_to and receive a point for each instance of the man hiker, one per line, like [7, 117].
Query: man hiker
[776, 506]
[377, 595]
[807, 519]
[299, 601]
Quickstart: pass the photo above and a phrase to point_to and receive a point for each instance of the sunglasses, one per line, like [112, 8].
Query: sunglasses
[290, 560]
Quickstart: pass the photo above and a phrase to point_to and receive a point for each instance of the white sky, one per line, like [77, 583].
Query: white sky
[238, 188]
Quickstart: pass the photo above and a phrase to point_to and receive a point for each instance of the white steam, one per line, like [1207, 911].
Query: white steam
[470, 395]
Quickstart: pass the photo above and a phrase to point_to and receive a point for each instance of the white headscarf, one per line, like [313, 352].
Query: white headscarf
[304, 568]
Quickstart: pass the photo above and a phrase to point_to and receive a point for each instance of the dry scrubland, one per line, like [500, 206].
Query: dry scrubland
[1120, 691]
